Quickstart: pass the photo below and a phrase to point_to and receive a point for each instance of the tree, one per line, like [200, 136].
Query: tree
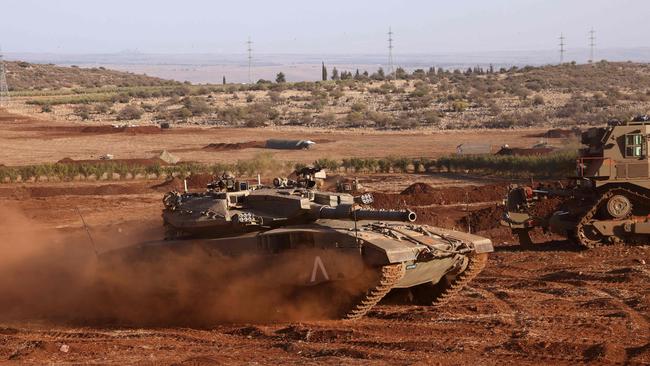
[324, 72]
[224, 80]
[400, 73]
[357, 76]
[280, 78]
[379, 75]
[335, 74]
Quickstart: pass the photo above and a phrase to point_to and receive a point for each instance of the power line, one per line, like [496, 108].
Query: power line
[562, 50]
[391, 69]
[249, 44]
[592, 44]
[4, 89]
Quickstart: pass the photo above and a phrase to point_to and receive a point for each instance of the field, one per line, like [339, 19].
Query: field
[552, 304]
[50, 141]
[549, 304]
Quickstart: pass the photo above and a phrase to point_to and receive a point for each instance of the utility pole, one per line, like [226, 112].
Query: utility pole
[391, 69]
[250, 60]
[592, 44]
[562, 50]
[4, 89]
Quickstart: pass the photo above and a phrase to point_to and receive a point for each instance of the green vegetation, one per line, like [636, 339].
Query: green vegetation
[560, 164]
[130, 112]
[546, 166]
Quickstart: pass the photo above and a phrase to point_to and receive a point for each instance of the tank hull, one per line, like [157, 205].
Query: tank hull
[357, 267]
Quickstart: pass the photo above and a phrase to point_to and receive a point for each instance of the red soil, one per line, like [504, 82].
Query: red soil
[420, 194]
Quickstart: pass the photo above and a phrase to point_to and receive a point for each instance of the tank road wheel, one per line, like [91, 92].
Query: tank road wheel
[437, 294]
[619, 207]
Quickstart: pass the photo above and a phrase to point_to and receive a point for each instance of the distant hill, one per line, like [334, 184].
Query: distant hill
[25, 76]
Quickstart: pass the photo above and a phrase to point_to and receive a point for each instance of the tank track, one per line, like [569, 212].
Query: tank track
[476, 264]
[584, 221]
[390, 275]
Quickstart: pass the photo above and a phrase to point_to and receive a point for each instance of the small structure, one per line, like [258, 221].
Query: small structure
[289, 144]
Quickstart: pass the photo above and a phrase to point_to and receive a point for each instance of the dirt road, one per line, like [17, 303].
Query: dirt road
[550, 305]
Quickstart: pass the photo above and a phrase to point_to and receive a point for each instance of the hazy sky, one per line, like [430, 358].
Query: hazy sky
[304, 26]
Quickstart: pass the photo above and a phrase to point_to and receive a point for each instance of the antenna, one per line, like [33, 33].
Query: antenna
[92, 242]
[592, 44]
[562, 50]
[4, 89]
[391, 69]
[250, 60]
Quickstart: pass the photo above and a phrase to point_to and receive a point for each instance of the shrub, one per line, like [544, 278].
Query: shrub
[326, 163]
[82, 111]
[459, 106]
[130, 112]
[430, 117]
[103, 108]
[538, 100]
[355, 117]
[275, 97]
[359, 107]
[196, 106]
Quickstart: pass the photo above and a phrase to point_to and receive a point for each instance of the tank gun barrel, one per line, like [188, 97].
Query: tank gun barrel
[349, 212]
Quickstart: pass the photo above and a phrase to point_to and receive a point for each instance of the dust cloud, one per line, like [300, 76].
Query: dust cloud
[55, 276]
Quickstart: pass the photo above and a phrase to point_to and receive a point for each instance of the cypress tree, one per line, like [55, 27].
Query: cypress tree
[324, 72]
[335, 74]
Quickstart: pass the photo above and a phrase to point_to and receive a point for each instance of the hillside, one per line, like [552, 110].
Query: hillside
[27, 76]
[555, 95]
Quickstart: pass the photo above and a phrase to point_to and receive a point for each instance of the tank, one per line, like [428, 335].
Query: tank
[320, 241]
[606, 202]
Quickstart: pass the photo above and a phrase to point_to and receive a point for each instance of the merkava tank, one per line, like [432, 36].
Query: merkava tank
[317, 241]
[607, 202]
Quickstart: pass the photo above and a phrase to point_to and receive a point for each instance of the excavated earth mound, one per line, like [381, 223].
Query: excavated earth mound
[223, 146]
[134, 130]
[420, 194]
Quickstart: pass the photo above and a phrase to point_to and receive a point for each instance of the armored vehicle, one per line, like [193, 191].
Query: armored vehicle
[608, 201]
[311, 240]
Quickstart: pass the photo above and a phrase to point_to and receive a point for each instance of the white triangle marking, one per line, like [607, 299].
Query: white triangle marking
[318, 263]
